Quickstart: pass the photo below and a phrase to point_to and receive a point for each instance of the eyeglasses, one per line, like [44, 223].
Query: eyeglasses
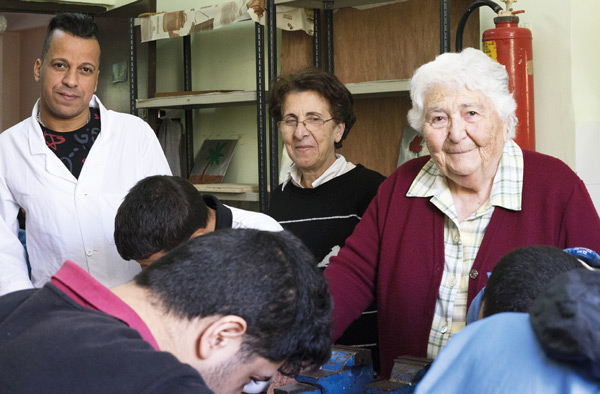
[312, 123]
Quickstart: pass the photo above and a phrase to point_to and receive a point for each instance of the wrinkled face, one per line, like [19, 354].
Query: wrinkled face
[464, 134]
[234, 373]
[313, 151]
[68, 76]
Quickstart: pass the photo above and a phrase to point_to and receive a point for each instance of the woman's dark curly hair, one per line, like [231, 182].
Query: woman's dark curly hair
[321, 82]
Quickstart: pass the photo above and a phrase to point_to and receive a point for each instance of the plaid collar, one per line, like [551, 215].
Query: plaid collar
[506, 190]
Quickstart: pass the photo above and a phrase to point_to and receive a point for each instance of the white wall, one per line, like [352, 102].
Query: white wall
[586, 97]
[566, 81]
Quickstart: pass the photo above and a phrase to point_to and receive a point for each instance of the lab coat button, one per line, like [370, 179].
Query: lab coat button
[89, 252]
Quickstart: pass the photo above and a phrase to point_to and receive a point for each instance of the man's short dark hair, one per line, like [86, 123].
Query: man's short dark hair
[521, 275]
[270, 279]
[157, 214]
[327, 85]
[79, 25]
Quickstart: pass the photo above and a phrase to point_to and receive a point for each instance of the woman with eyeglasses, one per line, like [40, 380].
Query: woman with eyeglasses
[323, 196]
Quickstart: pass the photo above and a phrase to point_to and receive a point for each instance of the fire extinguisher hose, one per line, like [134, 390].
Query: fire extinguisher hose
[461, 24]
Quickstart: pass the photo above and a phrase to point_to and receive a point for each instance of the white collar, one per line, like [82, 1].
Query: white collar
[339, 167]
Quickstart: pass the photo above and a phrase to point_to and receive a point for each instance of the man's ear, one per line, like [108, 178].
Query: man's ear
[37, 66]
[224, 332]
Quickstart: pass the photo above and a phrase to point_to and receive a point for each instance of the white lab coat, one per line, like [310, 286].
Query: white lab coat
[69, 218]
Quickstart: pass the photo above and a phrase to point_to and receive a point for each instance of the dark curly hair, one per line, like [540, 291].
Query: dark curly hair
[321, 82]
[157, 214]
[521, 275]
[270, 279]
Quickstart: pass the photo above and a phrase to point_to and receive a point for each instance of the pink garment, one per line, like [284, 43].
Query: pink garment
[87, 291]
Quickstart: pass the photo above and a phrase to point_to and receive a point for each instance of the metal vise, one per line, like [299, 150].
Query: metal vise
[348, 370]
[407, 372]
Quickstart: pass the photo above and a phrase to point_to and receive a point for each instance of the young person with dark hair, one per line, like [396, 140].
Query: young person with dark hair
[160, 212]
[70, 164]
[521, 275]
[174, 328]
[552, 349]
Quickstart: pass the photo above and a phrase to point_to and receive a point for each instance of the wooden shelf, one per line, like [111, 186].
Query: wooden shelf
[391, 88]
[359, 90]
[200, 100]
[230, 191]
[319, 3]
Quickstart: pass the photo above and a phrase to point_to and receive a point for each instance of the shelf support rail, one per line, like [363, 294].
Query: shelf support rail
[189, 119]
[316, 40]
[272, 53]
[445, 26]
[261, 117]
[328, 14]
[133, 87]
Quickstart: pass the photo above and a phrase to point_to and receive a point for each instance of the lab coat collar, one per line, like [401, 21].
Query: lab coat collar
[37, 144]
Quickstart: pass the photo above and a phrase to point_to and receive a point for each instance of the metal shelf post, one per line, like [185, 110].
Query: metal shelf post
[261, 117]
[272, 53]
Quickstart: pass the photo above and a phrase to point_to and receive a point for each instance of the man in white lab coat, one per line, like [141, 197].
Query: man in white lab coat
[70, 164]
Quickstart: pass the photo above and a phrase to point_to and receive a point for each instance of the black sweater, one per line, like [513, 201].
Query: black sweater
[324, 216]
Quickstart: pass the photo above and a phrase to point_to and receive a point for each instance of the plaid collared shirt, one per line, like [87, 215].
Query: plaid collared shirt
[462, 240]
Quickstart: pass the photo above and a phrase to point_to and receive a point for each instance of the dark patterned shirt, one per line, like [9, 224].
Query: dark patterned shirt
[72, 147]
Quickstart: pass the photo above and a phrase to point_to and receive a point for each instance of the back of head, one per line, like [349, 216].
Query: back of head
[269, 279]
[157, 214]
[470, 68]
[565, 318]
[78, 25]
[325, 84]
[521, 275]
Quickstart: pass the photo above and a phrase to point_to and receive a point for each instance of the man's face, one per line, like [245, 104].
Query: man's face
[68, 75]
[231, 375]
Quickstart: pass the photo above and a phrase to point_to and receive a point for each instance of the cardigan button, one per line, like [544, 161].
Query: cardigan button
[473, 274]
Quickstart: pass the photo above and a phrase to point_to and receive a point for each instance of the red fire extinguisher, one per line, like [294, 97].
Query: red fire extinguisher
[510, 45]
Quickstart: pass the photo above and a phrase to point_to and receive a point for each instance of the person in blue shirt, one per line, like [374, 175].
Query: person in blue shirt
[555, 348]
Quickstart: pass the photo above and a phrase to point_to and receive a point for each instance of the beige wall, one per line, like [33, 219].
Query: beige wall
[31, 48]
[19, 90]
[566, 82]
[10, 81]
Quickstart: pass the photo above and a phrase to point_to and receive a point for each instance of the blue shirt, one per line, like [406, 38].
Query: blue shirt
[501, 355]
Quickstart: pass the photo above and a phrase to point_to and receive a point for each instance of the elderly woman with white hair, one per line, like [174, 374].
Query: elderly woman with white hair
[439, 223]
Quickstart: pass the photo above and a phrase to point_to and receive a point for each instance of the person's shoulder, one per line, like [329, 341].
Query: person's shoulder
[125, 117]
[367, 174]
[15, 130]
[539, 165]
[255, 220]
[405, 174]
[548, 176]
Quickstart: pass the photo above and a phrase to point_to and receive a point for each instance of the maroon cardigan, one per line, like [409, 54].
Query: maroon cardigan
[396, 252]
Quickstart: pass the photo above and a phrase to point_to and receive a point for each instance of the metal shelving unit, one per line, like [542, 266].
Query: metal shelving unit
[190, 101]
